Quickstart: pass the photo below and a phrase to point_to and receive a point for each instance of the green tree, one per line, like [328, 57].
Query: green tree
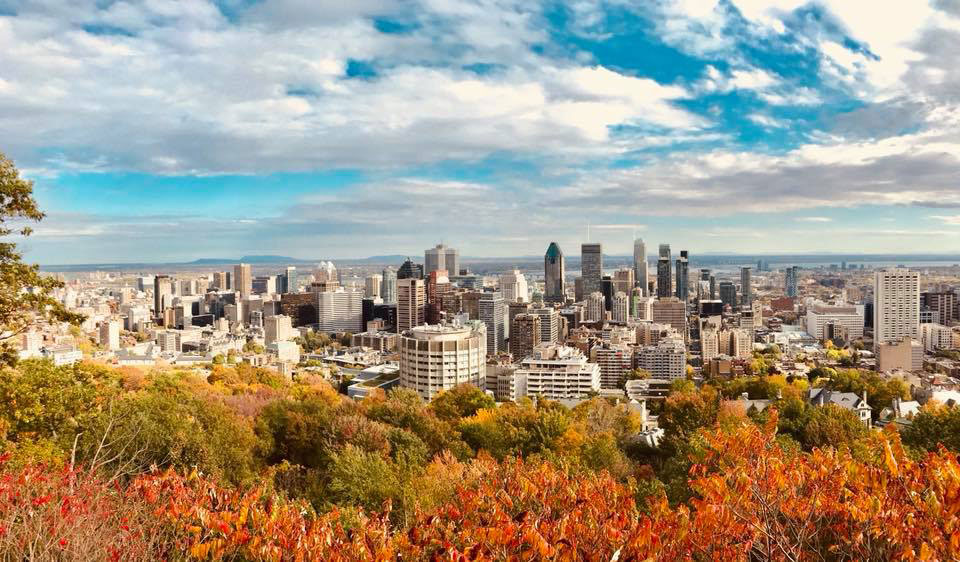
[935, 425]
[460, 401]
[832, 426]
[25, 294]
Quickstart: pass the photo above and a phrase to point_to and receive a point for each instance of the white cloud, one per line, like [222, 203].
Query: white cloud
[947, 219]
[814, 219]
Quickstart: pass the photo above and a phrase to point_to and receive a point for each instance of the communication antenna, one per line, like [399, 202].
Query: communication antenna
[588, 232]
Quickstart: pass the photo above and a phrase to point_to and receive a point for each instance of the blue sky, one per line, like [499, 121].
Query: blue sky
[177, 129]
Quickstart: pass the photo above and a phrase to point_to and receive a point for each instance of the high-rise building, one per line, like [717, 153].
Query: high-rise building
[515, 309]
[664, 274]
[608, 290]
[441, 257]
[243, 280]
[623, 281]
[438, 287]
[221, 280]
[790, 281]
[621, 308]
[728, 294]
[525, 334]
[411, 303]
[340, 310]
[896, 306]
[746, 290]
[944, 303]
[326, 272]
[596, 308]
[410, 270]
[591, 267]
[290, 283]
[264, 285]
[162, 286]
[672, 311]
[615, 361]
[549, 324]
[667, 359]
[492, 313]
[435, 358]
[640, 266]
[513, 285]
[388, 287]
[558, 372]
[683, 276]
[371, 286]
[553, 274]
[110, 334]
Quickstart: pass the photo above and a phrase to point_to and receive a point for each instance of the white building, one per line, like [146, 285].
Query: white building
[434, 358]
[820, 314]
[492, 313]
[596, 309]
[513, 286]
[549, 324]
[62, 355]
[558, 372]
[896, 306]
[620, 311]
[286, 351]
[340, 310]
[278, 328]
[665, 360]
[110, 334]
[935, 337]
[736, 342]
[372, 286]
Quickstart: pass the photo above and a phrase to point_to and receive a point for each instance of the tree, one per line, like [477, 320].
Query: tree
[25, 294]
[460, 401]
[832, 426]
[935, 425]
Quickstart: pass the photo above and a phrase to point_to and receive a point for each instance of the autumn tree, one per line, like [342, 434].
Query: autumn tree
[25, 294]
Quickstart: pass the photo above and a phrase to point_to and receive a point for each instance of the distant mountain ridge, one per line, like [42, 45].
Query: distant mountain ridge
[248, 259]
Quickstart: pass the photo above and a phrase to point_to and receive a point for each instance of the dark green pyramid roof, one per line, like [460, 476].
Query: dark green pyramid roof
[553, 251]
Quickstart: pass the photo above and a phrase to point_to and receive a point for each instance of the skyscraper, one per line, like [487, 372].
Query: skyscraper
[553, 274]
[162, 285]
[746, 291]
[492, 314]
[664, 275]
[438, 358]
[896, 306]
[411, 303]
[640, 266]
[388, 287]
[371, 286]
[513, 285]
[441, 257]
[620, 311]
[438, 288]
[290, 283]
[242, 280]
[790, 281]
[728, 294]
[683, 276]
[591, 266]
[410, 270]
[525, 334]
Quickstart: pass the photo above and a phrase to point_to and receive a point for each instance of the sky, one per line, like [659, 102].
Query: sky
[168, 130]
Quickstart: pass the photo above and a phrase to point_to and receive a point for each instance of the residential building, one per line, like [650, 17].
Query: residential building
[790, 281]
[411, 303]
[595, 307]
[278, 327]
[728, 294]
[667, 359]
[372, 285]
[526, 333]
[388, 286]
[558, 372]
[162, 292]
[615, 361]
[896, 306]
[936, 337]
[492, 313]
[904, 355]
[549, 324]
[110, 334]
[942, 302]
[671, 311]
[848, 400]
[621, 308]
[434, 358]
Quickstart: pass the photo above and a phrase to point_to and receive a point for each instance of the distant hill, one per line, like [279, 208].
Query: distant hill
[248, 259]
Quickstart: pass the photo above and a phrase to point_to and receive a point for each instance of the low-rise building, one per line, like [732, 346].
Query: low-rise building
[559, 372]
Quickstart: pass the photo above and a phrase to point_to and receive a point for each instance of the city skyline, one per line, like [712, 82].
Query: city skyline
[790, 127]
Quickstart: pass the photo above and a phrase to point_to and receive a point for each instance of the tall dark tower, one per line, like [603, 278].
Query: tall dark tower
[664, 275]
[553, 274]
[683, 276]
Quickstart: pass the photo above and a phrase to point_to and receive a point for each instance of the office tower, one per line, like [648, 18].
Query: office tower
[290, 283]
[388, 287]
[896, 306]
[728, 294]
[438, 287]
[578, 293]
[790, 281]
[242, 280]
[438, 358]
[640, 267]
[492, 313]
[515, 309]
[664, 275]
[371, 286]
[410, 270]
[607, 290]
[525, 334]
[672, 311]
[441, 257]
[683, 276]
[340, 310]
[411, 303]
[220, 280]
[596, 307]
[278, 328]
[944, 303]
[326, 272]
[713, 287]
[591, 267]
[549, 323]
[513, 285]
[621, 308]
[110, 335]
[746, 291]
[623, 281]
[162, 286]
[667, 359]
